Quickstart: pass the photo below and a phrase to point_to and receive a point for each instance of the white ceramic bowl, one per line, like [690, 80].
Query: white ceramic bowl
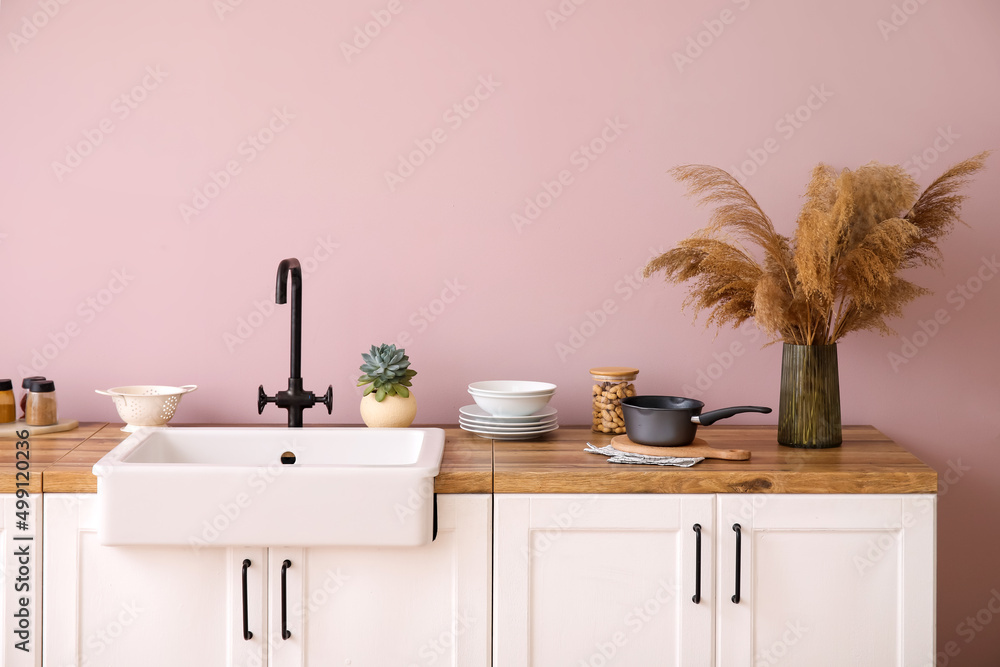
[511, 388]
[511, 398]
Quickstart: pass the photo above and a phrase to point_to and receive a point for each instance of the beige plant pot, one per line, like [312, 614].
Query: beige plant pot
[392, 412]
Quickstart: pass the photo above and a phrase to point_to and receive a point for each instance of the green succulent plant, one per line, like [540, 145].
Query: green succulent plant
[386, 372]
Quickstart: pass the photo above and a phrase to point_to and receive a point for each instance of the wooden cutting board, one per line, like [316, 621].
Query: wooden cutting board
[698, 448]
[10, 430]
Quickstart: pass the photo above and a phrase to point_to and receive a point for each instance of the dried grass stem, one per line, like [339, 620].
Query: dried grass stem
[839, 272]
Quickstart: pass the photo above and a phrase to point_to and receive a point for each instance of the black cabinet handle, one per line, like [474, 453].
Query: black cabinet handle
[739, 540]
[247, 635]
[697, 564]
[285, 634]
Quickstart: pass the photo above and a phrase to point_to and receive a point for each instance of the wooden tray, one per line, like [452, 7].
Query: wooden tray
[10, 430]
[698, 448]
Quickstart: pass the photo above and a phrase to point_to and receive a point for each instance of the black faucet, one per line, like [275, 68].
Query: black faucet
[295, 400]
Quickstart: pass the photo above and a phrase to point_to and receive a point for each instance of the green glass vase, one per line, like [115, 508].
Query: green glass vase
[809, 406]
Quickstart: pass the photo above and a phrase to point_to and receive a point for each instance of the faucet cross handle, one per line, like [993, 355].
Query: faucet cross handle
[263, 399]
[327, 400]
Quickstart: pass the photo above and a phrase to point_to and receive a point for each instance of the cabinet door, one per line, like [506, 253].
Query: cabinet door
[602, 579]
[151, 606]
[399, 606]
[827, 580]
[20, 581]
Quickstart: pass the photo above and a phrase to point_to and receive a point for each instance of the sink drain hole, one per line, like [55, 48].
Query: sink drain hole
[288, 458]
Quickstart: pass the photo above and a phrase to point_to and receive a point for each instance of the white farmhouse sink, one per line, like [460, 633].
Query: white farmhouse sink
[223, 486]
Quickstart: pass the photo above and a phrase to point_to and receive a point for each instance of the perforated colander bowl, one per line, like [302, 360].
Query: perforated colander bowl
[146, 404]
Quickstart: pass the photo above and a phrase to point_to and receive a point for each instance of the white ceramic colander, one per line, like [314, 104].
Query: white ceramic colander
[146, 404]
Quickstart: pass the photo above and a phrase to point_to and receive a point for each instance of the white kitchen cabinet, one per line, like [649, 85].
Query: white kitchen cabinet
[608, 579]
[398, 606]
[346, 606]
[20, 581]
[603, 579]
[153, 606]
[827, 580]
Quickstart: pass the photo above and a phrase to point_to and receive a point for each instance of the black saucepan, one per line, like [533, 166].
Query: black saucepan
[669, 421]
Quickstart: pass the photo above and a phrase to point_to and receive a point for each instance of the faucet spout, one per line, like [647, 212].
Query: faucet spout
[295, 399]
[291, 267]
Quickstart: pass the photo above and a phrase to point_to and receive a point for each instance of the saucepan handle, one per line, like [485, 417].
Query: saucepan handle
[708, 418]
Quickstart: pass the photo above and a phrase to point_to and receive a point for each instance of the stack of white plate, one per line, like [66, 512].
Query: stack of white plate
[474, 419]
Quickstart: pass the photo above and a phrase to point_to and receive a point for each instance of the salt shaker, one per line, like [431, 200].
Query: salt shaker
[26, 386]
[40, 408]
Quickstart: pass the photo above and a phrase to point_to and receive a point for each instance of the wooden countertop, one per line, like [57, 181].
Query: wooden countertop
[867, 462]
[43, 452]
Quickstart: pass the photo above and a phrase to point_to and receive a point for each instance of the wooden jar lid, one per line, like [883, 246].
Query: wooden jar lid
[614, 373]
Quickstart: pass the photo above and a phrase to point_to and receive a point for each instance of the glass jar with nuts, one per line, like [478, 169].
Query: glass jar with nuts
[611, 385]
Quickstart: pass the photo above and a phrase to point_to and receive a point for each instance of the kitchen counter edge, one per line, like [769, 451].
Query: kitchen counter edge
[868, 462]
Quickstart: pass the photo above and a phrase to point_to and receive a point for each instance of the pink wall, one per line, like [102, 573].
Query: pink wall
[145, 106]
